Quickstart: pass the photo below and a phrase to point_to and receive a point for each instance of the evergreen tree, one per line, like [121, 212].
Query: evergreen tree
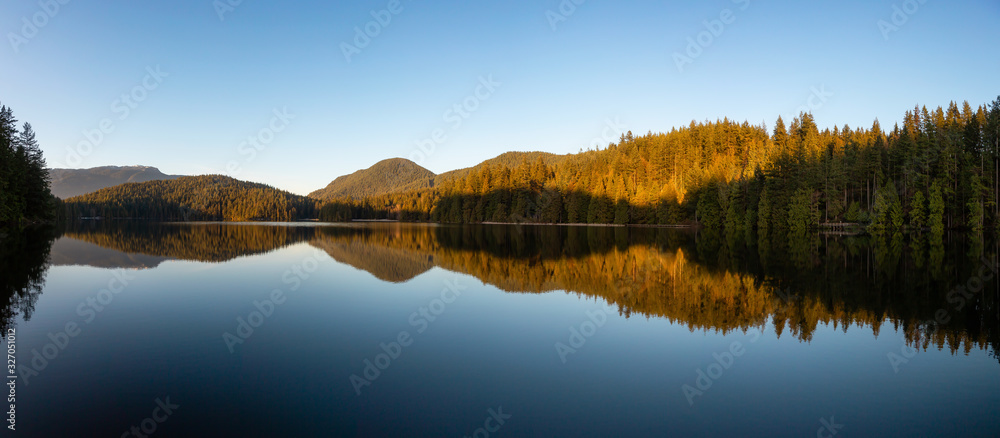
[935, 208]
[763, 214]
[918, 211]
[24, 184]
[802, 213]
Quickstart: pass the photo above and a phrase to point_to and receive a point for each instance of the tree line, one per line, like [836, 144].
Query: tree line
[24, 185]
[937, 171]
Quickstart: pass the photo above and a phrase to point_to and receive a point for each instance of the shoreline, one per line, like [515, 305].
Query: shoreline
[679, 226]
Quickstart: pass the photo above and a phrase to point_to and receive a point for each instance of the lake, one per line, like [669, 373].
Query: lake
[388, 329]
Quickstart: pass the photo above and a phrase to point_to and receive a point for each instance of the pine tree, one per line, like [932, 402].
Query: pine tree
[935, 216]
[8, 131]
[38, 197]
[763, 214]
[802, 213]
[918, 211]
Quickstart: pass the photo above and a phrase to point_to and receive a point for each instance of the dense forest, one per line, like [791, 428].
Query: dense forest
[24, 186]
[209, 197]
[937, 171]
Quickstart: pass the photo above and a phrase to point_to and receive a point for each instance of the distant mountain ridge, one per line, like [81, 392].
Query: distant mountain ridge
[67, 183]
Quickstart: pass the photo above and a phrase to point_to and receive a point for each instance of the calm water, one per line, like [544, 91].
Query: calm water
[417, 330]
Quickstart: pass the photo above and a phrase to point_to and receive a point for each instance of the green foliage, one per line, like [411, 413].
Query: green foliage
[918, 211]
[622, 212]
[599, 211]
[735, 212]
[709, 213]
[936, 207]
[763, 214]
[975, 214]
[802, 213]
[853, 212]
[896, 215]
[975, 208]
[887, 213]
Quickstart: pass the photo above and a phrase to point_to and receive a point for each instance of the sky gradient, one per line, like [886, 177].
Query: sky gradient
[201, 77]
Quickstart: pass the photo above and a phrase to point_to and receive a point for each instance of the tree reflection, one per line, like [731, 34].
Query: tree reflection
[23, 263]
[704, 280]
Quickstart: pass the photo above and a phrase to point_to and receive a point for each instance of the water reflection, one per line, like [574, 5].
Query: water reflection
[23, 264]
[940, 294]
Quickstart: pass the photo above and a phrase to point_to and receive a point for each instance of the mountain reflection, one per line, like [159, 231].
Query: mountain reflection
[704, 281]
[203, 242]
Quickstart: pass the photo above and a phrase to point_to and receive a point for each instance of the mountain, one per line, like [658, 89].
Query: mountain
[206, 197]
[385, 261]
[398, 175]
[386, 176]
[67, 183]
[68, 251]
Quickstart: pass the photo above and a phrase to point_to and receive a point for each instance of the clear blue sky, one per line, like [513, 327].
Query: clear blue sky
[606, 61]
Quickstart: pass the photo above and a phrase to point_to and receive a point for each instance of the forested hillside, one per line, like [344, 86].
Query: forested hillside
[938, 170]
[386, 176]
[24, 184]
[209, 197]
